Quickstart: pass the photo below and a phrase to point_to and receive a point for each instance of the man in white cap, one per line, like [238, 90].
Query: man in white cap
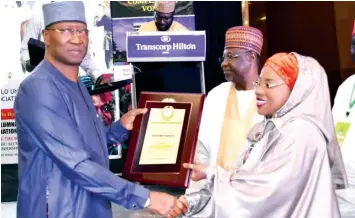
[63, 157]
[230, 108]
[344, 117]
[163, 18]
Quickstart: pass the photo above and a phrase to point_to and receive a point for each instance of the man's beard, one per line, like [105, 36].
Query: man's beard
[164, 28]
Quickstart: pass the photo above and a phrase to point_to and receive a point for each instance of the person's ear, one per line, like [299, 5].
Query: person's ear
[46, 36]
[252, 57]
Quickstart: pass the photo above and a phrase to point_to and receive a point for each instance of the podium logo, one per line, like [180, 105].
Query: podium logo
[165, 39]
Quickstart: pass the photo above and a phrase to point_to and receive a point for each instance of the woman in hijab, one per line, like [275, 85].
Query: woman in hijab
[292, 163]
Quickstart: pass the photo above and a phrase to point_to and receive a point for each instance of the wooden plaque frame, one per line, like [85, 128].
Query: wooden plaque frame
[171, 175]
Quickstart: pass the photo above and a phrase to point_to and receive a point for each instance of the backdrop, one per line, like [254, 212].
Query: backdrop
[213, 17]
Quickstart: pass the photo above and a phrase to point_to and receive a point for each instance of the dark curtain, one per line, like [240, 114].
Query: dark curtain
[9, 182]
[215, 18]
[312, 34]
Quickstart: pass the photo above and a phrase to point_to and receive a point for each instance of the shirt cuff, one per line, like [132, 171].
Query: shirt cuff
[138, 197]
[147, 202]
[117, 133]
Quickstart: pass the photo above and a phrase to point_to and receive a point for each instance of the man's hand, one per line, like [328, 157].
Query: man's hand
[183, 200]
[105, 81]
[180, 208]
[164, 204]
[198, 171]
[128, 119]
[102, 81]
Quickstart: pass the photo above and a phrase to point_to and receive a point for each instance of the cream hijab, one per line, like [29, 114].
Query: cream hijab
[310, 99]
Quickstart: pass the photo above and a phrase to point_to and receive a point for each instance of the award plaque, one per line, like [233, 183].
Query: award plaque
[164, 138]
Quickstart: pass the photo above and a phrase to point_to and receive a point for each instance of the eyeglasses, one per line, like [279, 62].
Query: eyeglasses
[231, 56]
[267, 85]
[106, 108]
[158, 18]
[71, 32]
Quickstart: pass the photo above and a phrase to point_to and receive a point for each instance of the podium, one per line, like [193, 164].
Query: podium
[166, 62]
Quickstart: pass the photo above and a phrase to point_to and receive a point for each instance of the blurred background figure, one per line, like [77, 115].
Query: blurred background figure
[105, 107]
[163, 18]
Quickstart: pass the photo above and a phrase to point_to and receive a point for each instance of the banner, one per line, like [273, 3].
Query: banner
[9, 148]
[166, 46]
[124, 9]
[129, 16]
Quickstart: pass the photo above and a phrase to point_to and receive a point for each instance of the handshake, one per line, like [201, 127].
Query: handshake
[169, 206]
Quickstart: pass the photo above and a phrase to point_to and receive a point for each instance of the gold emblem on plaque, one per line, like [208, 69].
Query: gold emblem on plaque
[167, 112]
[168, 100]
